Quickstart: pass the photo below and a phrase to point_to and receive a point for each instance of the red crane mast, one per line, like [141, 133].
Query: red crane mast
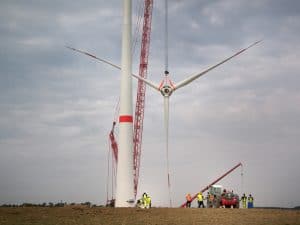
[113, 142]
[141, 90]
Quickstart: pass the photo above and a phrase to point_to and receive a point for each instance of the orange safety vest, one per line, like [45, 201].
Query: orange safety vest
[188, 198]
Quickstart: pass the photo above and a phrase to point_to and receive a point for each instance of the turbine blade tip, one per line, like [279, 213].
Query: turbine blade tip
[69, 47]
[259, 41]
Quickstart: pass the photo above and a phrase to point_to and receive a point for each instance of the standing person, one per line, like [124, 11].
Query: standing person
[224, 192]
[216, 202]
[200, 199]
[208, 205]
[250, 201]
[148, 201]
[211, 201]
[244, 201]
[144, 200]
[188, 200]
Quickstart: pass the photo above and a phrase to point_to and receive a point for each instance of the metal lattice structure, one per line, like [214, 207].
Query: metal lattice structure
[141, 90]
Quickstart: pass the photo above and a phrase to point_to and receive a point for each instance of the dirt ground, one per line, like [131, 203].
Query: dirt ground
[72, 215]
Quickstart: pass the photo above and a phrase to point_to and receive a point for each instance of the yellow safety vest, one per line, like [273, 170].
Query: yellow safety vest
[244, 198]
[148, 199]
[200, 197]
[250, 199]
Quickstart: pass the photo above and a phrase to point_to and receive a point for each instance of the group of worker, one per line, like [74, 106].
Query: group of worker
[145, 201]
[250, 201]
[200, 200]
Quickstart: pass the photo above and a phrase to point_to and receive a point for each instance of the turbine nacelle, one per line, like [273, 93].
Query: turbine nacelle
[166, 86]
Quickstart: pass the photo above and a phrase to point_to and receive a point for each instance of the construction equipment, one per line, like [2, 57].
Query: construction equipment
[230, 200]
[113, 143]
[113, 152]
[217, 188]
[141, 90]
[219, 197]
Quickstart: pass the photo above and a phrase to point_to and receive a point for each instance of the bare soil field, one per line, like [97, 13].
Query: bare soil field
[72, 215]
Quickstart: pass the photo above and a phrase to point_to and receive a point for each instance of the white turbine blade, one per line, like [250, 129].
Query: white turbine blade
[95, 57]
[166, 120]
[148, 82]
[194, 77]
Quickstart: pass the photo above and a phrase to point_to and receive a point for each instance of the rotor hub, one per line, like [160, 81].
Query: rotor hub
[166, 90]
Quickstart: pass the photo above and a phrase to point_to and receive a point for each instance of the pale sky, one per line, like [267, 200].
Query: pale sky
[57, 106]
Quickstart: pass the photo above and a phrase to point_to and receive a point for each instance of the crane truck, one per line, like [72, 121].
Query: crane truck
[216, 189]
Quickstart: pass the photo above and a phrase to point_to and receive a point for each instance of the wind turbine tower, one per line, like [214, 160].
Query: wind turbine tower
[124, 183]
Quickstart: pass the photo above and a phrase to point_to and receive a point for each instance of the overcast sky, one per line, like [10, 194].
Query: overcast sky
[57, 106]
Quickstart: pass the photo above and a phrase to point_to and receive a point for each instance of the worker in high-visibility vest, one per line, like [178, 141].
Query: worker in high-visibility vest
[144, 200]
[244, 201]
[148, 202]
[200, 199]
[250, 201]
[188, 200]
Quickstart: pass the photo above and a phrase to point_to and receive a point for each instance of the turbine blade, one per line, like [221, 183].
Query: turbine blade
[166, 120]
[148, 82]
[95, 57]
[194, 77]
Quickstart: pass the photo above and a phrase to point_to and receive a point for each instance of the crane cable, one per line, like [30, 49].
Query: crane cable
[166, 38]
[242, 179]
[166, 74]
[136, 34]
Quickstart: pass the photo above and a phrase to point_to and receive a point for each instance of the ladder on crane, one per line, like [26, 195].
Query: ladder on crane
[141, 91]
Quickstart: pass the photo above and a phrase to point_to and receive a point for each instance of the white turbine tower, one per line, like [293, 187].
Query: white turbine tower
[124, 182]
